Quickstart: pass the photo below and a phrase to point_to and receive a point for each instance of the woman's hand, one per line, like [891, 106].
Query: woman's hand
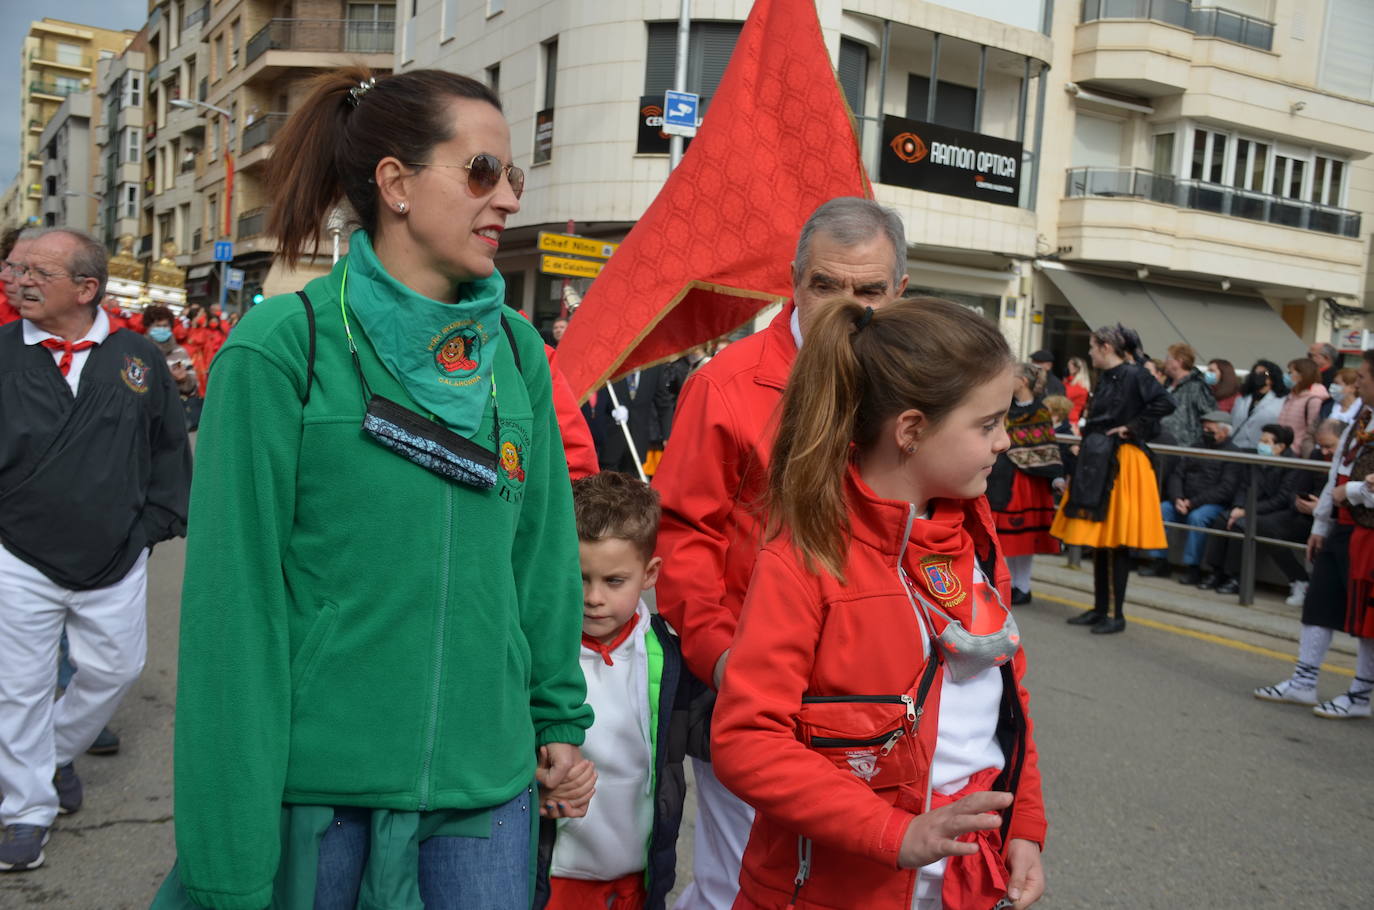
[1122, 431]
[934, 835]
[1027, 874]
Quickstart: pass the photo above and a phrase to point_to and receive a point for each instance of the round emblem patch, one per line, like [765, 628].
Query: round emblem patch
[456, 354]
[938, 576]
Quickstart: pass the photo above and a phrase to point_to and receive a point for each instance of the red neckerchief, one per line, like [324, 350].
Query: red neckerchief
[592, 644]
[67, 348]
[940, 561]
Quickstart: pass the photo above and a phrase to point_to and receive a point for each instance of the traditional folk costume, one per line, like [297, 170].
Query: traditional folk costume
[1340, 596]
[1113, 499]
[1021, 492]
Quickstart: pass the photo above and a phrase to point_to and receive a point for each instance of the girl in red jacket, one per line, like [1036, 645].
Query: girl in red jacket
[872, 710]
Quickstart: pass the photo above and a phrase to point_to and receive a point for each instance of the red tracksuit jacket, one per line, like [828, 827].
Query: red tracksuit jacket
[710, 482]
[805, 634]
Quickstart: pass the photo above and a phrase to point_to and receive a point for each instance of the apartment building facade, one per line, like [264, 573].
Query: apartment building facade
[1043, 90]
[118, 112]
[58, 59]
[67, 146]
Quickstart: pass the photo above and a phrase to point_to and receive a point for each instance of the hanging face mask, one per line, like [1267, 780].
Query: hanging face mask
[964, 653]
[160, 333]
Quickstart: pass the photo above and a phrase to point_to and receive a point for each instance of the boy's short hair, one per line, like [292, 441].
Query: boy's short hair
[612, 505]
[1280, 433]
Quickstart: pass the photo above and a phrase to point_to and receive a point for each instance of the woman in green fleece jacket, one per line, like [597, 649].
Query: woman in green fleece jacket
[381, 612]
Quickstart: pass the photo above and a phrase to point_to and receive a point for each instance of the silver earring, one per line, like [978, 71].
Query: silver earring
[911, 449]
[401, 207]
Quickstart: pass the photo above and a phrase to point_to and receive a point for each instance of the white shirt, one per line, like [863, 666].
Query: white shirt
[612, 839]
[99, 331]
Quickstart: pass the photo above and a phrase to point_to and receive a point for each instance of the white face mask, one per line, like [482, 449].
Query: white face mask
[1337, 390]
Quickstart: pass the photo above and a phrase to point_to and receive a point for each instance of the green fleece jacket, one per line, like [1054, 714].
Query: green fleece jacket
[356, 630]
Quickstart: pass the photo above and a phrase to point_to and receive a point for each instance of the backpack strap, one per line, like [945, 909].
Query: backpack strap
[310, 350]
[510, 336]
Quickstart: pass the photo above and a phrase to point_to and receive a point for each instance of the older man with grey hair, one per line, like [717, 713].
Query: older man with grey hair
[713, 474]
[94, 470]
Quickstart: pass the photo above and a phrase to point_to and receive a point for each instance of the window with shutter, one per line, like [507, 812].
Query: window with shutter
[954, 104]
[854, 74]
[1347, 67]
[708, 53]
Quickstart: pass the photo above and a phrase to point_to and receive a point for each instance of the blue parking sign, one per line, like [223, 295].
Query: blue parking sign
[680, 113]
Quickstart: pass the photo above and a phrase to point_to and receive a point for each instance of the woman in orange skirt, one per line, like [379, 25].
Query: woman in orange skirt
[1113, 500]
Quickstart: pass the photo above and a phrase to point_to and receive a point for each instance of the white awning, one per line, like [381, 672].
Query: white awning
[200, 271]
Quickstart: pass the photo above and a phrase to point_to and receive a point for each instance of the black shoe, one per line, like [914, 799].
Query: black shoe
[107, 743]
[1087, 618]
[1019, 597]
[1155, 568]
[1190, 575]
[1228, 586]
[1211, 580]
[1108, 626]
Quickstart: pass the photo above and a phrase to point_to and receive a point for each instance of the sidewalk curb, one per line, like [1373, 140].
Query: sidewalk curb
[1260, 619]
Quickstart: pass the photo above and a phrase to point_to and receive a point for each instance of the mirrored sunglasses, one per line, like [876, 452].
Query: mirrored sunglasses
[484, 173]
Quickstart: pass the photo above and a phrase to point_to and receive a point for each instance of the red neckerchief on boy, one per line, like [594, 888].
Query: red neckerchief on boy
[592, 644]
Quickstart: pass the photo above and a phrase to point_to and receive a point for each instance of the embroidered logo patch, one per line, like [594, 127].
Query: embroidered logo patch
[937, 572]
[511, 462]
[863, 764]
[135, 374]
[456, 348]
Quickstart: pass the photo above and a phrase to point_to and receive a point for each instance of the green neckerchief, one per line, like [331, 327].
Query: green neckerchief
[442, 353]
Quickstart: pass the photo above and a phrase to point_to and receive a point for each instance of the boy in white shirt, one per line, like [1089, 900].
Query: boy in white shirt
[621, 854]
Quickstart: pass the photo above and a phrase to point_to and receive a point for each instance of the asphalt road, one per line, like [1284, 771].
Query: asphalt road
[1168, 786]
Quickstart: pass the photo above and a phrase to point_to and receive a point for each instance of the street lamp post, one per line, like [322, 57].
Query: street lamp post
[188, 104]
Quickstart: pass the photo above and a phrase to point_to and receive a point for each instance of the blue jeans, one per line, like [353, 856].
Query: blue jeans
[456, 873]
[1200, 517]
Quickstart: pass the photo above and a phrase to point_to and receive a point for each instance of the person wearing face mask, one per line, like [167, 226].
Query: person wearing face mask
[1220, 376]
[1259, 403]
[158, 325]
[1301, 411]
[1345, 400]
[1191, 393]
[1276, 516]
[1198, 490]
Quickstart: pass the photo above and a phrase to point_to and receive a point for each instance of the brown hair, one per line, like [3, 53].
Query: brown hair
[156, 312]
[858, 368]
[332, 144]
[616, 506]
[1347, 376]
[1184, 354]
[1227, 383]
[1305, 367]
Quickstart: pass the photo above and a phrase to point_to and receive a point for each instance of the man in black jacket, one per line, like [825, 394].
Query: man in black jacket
[95, 469]
[1276, 515]
[1198, 490]
[646, 404]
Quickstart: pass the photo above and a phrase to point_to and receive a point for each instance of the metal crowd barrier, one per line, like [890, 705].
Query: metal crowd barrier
[1248, 537]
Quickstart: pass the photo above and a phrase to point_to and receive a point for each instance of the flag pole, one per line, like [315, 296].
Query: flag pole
[629, 440]
[684, 37]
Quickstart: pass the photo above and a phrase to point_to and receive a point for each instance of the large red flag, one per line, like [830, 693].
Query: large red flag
[714, 246]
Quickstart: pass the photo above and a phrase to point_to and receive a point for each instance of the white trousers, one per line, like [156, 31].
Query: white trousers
[723, 823]
[108, 634]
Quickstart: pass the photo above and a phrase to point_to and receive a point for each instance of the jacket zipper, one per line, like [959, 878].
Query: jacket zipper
[437, 660]
[887, 740]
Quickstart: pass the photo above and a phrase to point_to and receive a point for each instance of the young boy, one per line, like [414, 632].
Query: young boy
[622, 853]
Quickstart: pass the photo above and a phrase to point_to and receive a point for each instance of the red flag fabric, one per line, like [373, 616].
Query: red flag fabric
[714, 246]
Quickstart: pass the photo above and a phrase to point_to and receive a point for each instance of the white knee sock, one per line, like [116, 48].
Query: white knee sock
[1020, 568]
[1313, 644]
[1363, 682]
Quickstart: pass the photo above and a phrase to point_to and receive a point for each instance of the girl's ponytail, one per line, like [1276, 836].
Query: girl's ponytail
[819, 410]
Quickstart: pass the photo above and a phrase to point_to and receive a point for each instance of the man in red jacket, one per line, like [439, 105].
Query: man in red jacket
[715, 470]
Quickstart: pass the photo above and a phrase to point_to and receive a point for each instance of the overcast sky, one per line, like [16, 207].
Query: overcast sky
[14, 25]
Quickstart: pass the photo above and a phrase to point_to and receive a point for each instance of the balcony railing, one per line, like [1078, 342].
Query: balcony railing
[196, 17]
[153, 74]
[322, 35]
[48, 55]
[43, 87]
[1210, 21]
[252, 224]
[1136, 183]
[188, 165]
[261, 131]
